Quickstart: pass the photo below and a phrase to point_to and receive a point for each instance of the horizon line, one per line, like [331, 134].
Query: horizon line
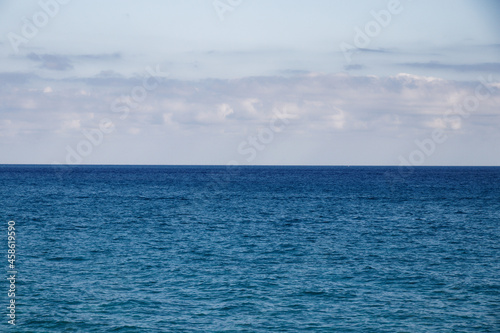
[242, 165]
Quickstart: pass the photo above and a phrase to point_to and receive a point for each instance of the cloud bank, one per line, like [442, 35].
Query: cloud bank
[320, 107]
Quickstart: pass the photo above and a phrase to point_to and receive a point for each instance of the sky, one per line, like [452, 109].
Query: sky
[240, 82]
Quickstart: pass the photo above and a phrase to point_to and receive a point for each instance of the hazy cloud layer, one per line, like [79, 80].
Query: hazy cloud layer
[490, 67]
[401, 107]
[51, 61]
[353, 67]
[365, 102]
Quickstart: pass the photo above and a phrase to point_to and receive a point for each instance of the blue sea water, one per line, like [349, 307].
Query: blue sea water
[252, 249]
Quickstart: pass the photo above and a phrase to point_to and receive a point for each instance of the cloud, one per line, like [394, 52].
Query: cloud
[103, 56]
[354, 67]
[479, 67]
[495, 46]
[108, 74]
[16, 78]
[58, 62]
[379, 50]
[51, 61]
[294, 72]
[315, 104]
[204, 116]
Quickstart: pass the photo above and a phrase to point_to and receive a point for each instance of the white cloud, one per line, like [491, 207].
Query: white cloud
[134, 131]
[338, 120]
[71, 124]
[224, 110]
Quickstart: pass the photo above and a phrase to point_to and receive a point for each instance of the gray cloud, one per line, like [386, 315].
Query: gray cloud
[108, 74]
[104, 56]
[294, 72]
[51, 61]
[16, 78]
[479, 67]
[58, 62]
[354, 67]
[496, 46]
[379, 50]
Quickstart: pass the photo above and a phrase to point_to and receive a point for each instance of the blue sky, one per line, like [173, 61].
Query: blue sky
[250, 82]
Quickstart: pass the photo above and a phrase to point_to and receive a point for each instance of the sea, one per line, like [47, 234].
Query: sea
[250, 249]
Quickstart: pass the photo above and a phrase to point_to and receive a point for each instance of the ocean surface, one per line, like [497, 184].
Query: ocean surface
[252, 249]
